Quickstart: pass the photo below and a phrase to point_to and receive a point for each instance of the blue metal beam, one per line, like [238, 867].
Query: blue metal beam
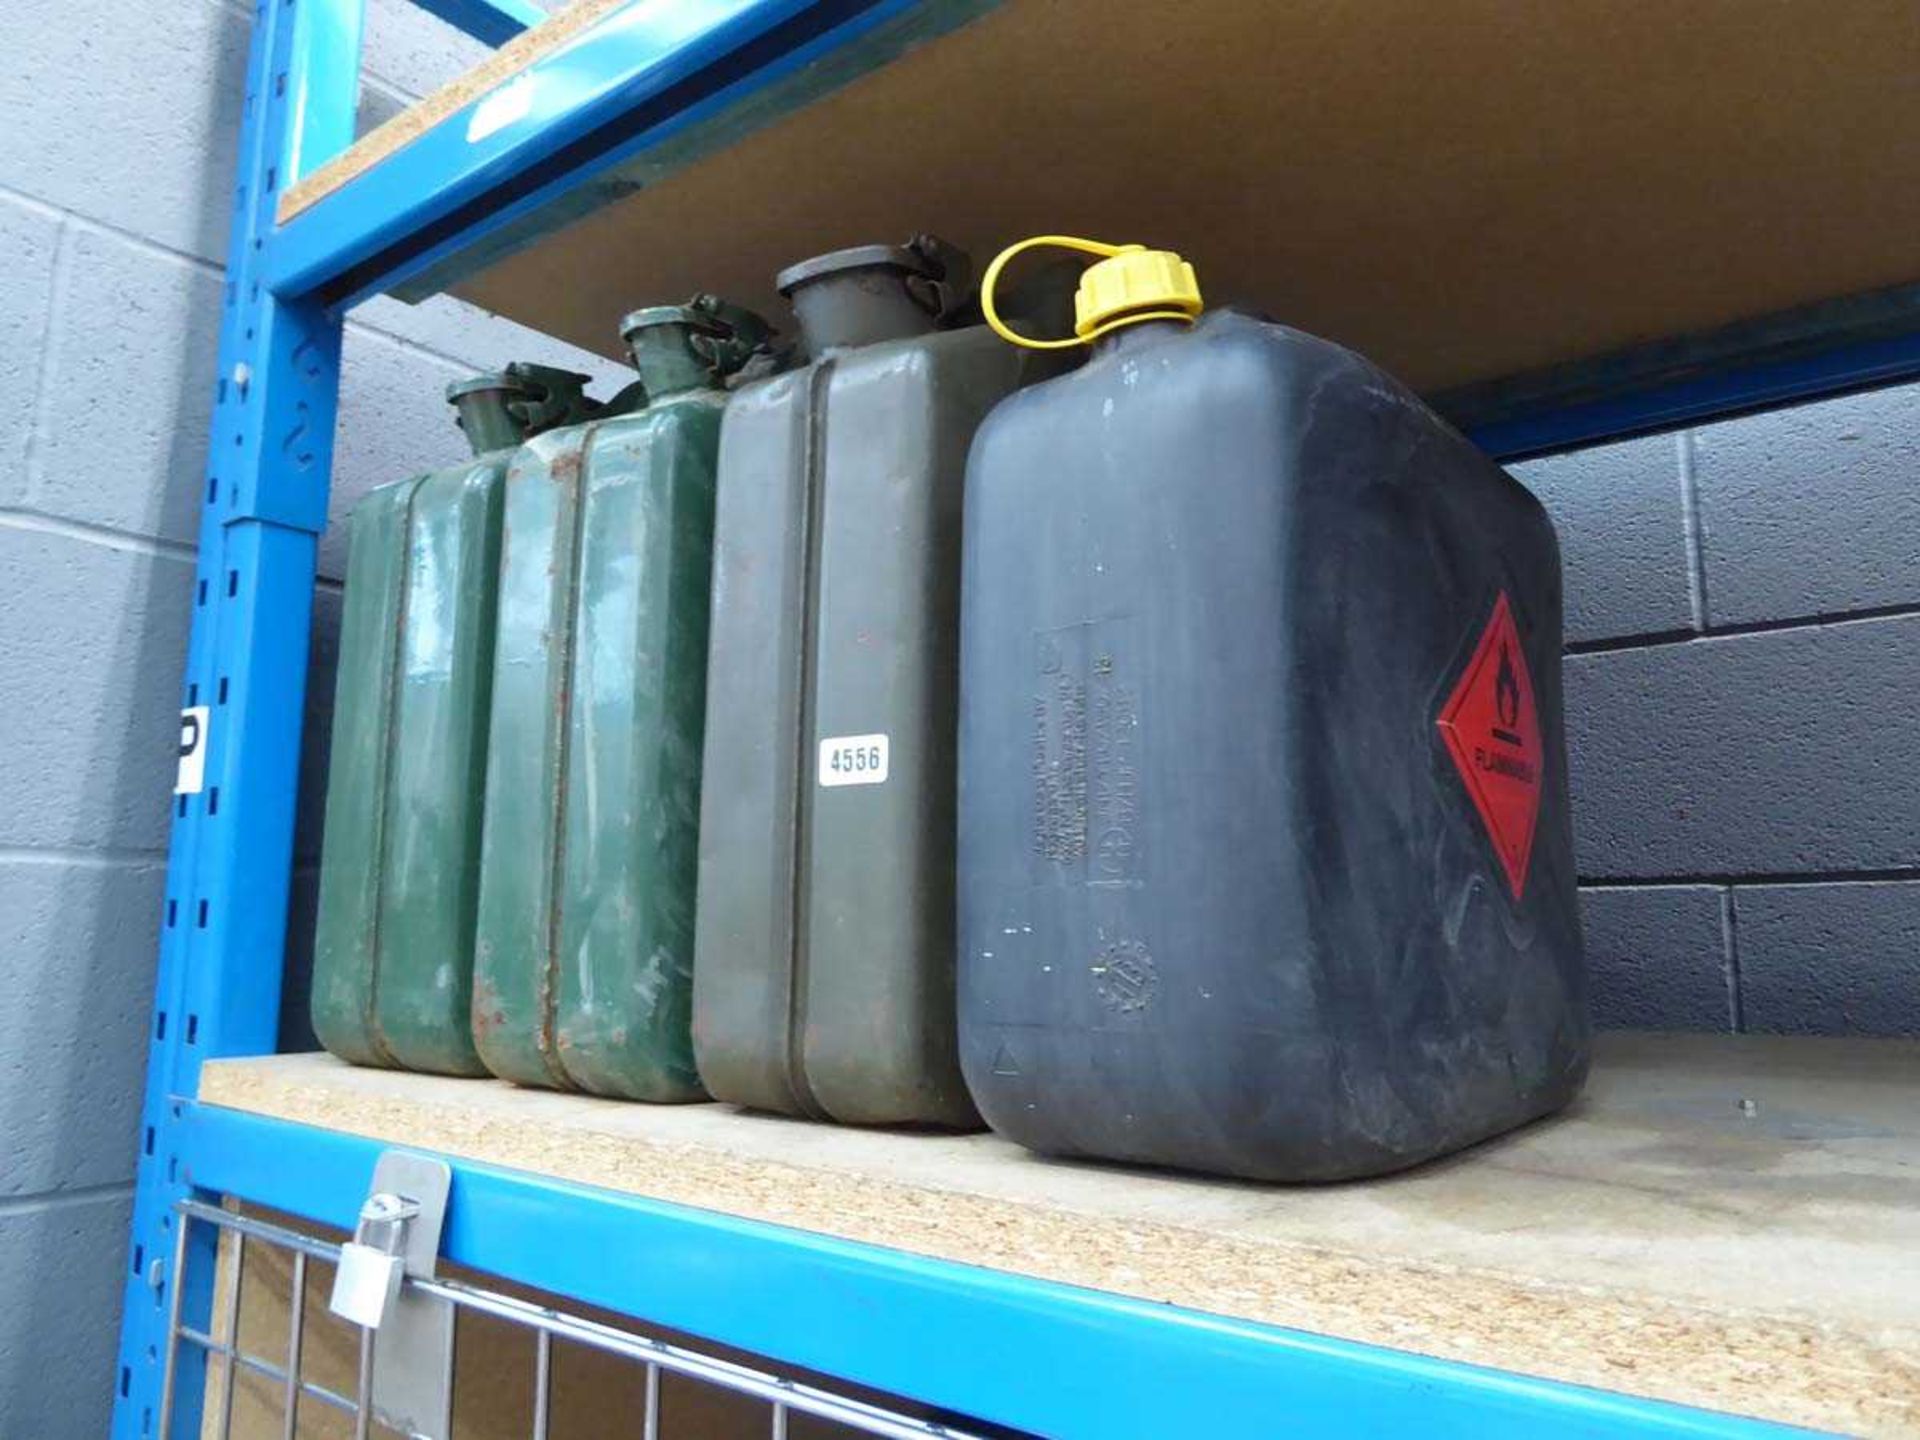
[641, 76]
[1048, 1358]
[491, 22]
[1759, 363]
[1716, 395]
[231, 848]
[473, 188]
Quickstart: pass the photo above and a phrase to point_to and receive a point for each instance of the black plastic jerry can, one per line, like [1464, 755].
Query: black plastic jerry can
[1266, 862]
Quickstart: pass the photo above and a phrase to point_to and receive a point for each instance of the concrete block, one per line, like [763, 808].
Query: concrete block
[61, 1269]
[377, 105]
[316, 734]
[92, 644]
[413, 51]
[77, 951]
[394, 422]
[1657, 958]
[1812, 511]
[1787, 752]
[482, 340]
[131, 373]
[128, 114]
[1623, 545]
[1830, 959]
[29, 239]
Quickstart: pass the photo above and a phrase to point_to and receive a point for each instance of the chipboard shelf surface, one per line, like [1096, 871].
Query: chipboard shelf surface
[1730, 1222]
[1515, 217]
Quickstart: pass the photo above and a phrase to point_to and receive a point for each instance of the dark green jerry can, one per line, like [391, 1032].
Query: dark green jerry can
[584, 955]
[393, 952]
[824, 983]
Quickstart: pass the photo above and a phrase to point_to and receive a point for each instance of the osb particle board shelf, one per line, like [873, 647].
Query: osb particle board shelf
[1661, 1239]
[1462, 190]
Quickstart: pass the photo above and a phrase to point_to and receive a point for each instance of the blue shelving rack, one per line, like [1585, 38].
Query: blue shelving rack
[1033, 1355]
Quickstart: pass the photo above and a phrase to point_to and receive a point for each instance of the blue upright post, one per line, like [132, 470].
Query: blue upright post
[230, 854]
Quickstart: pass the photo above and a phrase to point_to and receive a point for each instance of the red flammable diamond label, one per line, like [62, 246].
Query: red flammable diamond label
[1493, 733]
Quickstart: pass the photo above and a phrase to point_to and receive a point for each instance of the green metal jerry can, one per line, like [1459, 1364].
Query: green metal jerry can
[584, 954]
[393, 957]
[824, 983]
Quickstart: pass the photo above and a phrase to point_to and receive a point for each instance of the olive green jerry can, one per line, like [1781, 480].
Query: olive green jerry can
[824, 979]
[393, 957]
[584, 952]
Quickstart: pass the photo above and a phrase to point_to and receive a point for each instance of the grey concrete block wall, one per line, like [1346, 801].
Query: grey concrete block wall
[93, 631]
[66, 1127]
[1746, 768]
[128, 384]
[60, 1259]
[1828, 959]
[29, 238]
[124, 114]
[1775, 753]
[1658, 958]
[1623, 541]
[1812, 512]
[118, 122]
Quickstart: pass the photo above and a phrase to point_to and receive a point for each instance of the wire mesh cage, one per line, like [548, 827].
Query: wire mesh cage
[279, 1363]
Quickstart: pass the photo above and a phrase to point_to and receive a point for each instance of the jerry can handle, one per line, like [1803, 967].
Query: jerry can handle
[992, 278]
[731, 337]
[943, 290]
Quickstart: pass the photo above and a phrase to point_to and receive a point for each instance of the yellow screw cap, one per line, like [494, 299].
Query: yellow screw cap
[1129, 284]
[1137, 284]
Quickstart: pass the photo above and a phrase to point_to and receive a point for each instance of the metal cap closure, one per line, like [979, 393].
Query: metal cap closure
[693, 346]
[871, 293]
[501, 408]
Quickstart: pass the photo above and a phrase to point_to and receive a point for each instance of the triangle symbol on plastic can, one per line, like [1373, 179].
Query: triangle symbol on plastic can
[1003, 1061]
[1492, 731]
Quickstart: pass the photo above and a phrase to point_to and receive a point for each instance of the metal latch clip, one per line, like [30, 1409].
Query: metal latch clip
[374, 1262]
[409, 1341]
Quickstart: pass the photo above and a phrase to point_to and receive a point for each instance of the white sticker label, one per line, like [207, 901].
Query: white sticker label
[853, 760]
[192, 774]
[509, 103]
